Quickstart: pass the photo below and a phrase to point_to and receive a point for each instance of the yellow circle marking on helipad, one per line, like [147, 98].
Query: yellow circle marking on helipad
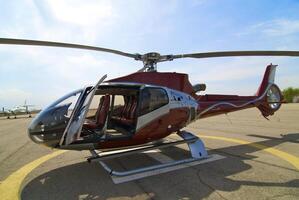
[281, 154]
[9, 188]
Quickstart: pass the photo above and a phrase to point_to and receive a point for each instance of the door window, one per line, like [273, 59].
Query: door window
[152, 99]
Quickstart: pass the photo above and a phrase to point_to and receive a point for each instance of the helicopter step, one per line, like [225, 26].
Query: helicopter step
[197, 150]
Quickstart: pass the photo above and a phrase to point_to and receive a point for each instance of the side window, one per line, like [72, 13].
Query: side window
[158, 98]
[145, 102]
[152, 99]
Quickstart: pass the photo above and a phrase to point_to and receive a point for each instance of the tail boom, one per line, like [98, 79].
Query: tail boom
[267, 99]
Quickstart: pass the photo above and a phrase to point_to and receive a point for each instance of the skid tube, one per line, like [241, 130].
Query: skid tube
[196, 148]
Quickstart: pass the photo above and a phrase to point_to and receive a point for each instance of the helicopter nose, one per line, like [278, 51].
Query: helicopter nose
[35, 132]
[36, 138]
[39, 134]
[47, 130]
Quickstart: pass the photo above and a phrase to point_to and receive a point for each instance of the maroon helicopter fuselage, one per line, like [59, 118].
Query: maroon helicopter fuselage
[155, 105]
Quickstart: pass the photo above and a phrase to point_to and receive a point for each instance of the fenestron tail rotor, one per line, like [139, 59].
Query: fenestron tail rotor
[151, 59]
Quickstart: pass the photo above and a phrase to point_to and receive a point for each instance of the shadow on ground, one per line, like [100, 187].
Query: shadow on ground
[90, 181]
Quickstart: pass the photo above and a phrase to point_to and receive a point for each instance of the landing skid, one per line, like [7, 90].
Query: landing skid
[197, 150]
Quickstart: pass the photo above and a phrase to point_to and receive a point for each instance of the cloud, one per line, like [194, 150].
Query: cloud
[128, 25]
[58, 20]
[91, 13]
[288, 81]
[49, 73]
[228, 69]
[14, 96]
[277, 27]
[240, 76]
[198, 2]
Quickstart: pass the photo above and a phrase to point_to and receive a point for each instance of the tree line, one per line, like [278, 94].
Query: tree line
[289, 94]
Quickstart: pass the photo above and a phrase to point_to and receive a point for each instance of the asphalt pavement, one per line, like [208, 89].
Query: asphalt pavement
[261, 161]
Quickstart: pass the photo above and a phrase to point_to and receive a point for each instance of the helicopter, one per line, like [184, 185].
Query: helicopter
[140, 109]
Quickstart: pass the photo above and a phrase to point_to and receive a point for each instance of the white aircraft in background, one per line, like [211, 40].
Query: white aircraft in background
[18, 110]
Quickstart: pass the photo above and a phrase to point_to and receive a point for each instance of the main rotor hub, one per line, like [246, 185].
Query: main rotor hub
[151, 59]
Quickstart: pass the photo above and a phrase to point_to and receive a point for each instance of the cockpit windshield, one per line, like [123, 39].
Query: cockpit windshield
[48, 126]
[70, 98]
[66, 103]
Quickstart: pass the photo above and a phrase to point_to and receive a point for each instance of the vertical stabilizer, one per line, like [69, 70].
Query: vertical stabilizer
[268, 79]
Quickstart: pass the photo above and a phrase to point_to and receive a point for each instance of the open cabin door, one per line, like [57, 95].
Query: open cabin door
[76, 121]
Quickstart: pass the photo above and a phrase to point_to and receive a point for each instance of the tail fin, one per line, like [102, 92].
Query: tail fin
[268, 79]
[269, 94]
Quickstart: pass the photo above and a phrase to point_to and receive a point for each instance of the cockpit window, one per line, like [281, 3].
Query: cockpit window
[71, 101]
[64, 104]
[67, 97]
[152, 99]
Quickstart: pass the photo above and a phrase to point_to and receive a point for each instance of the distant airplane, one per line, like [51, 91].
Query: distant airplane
[19, 110]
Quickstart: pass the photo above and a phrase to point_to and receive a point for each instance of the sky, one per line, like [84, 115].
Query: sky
[42, 74]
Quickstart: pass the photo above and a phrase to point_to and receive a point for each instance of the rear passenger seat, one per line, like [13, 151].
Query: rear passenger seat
[128, 113]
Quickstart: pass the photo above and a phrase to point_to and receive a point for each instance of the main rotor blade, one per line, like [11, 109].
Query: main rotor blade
[236, 53]
[65, 45]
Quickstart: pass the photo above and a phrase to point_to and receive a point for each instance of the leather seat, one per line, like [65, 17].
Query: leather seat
[124, 110]
[128, 113]
[101, 114]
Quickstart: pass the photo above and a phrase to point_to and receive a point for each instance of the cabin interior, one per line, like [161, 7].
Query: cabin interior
[115, 108]
[112, 113]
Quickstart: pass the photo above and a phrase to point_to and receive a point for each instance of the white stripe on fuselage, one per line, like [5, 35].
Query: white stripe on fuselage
[147, 118]
[177, 99]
